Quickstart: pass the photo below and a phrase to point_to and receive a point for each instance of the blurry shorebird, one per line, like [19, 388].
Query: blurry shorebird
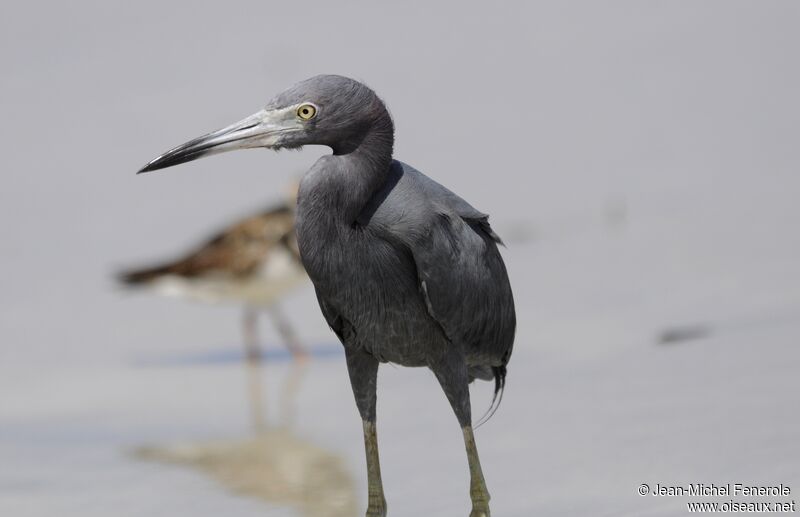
[405, 271]
[254, 262]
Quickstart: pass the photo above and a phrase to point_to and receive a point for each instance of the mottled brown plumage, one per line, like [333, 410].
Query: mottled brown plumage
[237, 251]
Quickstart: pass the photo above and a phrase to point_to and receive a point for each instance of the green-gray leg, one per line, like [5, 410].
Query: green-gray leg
[477, 485]
[376, 502]
[363, 370]
[451, 371]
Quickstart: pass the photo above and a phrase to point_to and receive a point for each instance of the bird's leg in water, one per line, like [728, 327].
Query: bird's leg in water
[376, 506]
[287, 333]
[451, 371]
[477, 485]
[363, 370]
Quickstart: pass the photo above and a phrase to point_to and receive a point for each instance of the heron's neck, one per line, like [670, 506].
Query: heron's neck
[362, 169]
[372, 146]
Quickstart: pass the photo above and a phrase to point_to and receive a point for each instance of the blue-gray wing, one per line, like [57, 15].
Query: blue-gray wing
[461, 274]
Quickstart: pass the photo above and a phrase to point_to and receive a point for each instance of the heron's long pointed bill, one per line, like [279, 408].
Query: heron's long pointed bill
[258, 130]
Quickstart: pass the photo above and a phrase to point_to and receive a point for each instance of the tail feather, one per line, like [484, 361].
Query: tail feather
[497, 398]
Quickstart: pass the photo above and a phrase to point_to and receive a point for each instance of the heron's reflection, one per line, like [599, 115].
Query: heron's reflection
[274, 464]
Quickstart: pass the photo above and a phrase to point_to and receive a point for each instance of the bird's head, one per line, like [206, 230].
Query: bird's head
[325, 110]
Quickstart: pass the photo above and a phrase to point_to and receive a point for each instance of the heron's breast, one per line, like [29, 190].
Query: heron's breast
[374, 286]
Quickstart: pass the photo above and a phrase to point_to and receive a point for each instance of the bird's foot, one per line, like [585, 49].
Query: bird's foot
[376, 506]
[301, 356]
[480, 503]
[479, 510]
[376, 510]
[252, 356]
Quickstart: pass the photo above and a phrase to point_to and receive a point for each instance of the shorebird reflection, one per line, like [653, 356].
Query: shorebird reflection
[274, 464]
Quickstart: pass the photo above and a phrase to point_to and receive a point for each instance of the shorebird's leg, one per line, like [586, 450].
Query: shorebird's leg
[253, 370]
[287, 332]
[451, 371]
[252, 351]
[363, 370]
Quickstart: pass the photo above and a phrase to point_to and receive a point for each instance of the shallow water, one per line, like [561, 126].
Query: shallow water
[640, 162]
[595, 404]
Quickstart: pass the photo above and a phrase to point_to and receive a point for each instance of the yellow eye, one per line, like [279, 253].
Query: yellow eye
[306, 111]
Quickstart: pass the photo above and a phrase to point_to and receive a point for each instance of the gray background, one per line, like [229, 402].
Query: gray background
[640, 158]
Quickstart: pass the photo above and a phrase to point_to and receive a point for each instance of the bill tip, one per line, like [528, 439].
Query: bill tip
[147, 168]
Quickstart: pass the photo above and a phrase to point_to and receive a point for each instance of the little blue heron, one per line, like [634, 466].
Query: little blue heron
[405, 271]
